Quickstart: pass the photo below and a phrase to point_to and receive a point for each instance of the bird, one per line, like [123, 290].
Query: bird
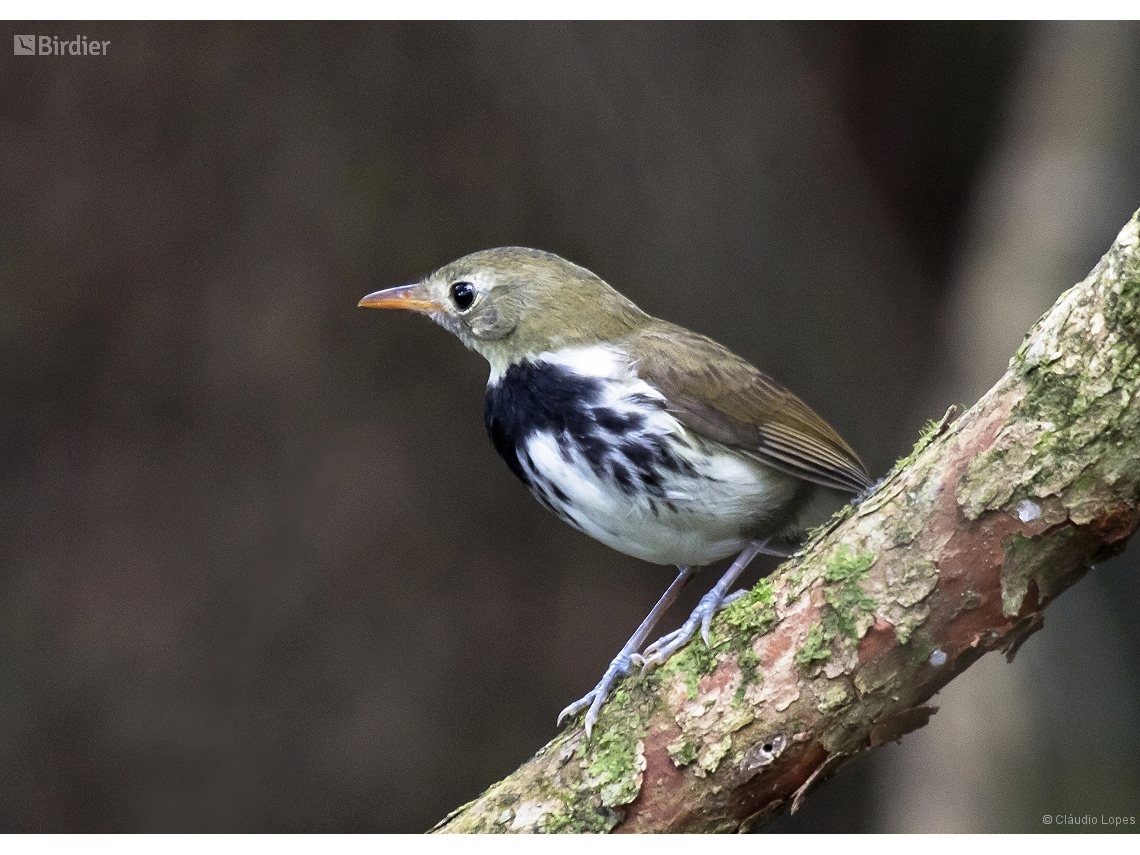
[653, 439]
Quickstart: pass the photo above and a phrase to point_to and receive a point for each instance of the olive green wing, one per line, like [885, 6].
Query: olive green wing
[718, 395]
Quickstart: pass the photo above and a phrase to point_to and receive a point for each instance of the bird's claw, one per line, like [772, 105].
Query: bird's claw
[576, 707]
[658, 652]
[732, 598]
[710, 605]
[621, 666]
[655, 654]
[706, 621]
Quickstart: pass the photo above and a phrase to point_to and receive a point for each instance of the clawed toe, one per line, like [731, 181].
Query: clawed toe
[576, 707]
[621, 666]
[659, 651]
[732, 598]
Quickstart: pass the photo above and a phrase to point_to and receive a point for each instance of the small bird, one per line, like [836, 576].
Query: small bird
[655, 440]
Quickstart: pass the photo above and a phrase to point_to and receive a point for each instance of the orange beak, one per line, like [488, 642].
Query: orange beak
[403, 297]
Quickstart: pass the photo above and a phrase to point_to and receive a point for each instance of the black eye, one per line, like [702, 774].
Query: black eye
[463, 295]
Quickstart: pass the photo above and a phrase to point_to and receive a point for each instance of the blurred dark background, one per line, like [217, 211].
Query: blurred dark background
[260, 569]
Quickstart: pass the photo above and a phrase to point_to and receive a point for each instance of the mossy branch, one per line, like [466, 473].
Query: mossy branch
[954, 554]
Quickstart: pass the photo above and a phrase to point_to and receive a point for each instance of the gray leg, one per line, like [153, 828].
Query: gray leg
[765, 549]
[711, 603]
[622, 664]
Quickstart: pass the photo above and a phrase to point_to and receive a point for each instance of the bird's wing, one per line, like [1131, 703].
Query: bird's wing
[715, 393]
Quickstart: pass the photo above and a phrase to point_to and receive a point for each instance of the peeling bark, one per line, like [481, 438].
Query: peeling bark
[955, 553]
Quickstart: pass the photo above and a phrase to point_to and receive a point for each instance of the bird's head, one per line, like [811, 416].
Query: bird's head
[510, 303]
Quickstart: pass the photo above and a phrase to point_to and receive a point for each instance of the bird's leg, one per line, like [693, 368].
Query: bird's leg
[622, 664]
[711, 603]
[762, 548]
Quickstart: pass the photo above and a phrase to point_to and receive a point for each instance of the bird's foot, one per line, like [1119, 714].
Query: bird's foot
[710, 605]
[621, 666]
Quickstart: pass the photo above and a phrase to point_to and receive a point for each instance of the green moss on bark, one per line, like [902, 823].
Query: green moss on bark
[816, 648]
[1077, 375]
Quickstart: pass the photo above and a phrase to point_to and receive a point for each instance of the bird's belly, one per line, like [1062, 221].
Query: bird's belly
[661, 498]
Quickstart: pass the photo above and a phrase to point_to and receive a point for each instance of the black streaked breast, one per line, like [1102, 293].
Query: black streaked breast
[532, 397]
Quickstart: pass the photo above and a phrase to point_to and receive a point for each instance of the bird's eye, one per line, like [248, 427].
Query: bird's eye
[463, 295]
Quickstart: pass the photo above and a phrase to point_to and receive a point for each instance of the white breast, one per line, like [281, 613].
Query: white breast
[695, 502]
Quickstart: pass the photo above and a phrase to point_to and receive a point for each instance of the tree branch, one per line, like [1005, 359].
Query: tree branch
[954, 554]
